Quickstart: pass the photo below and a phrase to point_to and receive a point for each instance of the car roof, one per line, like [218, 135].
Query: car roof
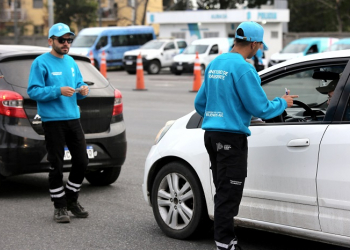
[98, 30]
[307, 58]
[8, 51]
[311, 39]
[343, 41]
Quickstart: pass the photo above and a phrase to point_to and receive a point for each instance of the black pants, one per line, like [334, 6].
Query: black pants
[228, 154]
[57, 135]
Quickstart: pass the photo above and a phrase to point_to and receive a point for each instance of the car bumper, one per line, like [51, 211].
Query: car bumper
[182, 68]
[131, 64]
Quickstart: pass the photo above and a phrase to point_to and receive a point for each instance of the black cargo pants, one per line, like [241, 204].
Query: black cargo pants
[228, 154]
[57, 135]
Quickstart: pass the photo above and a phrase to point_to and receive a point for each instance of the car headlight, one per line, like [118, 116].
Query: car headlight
[163, 130]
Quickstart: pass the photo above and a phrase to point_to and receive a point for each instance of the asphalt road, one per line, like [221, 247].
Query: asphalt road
[119, 216]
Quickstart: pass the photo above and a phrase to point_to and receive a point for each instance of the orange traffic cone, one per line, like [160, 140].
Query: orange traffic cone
[103, 66]
[91, 56]
[140, 82]
[197, 80]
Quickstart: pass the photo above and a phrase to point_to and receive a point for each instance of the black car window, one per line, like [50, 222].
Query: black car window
[214, 50]
[16, 72]
[303, 84]
[181, 44]
[102, 42]
[169, 46]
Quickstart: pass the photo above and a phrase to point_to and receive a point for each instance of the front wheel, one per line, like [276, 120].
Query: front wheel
[153, 67]
[178, 202]
[103, 177]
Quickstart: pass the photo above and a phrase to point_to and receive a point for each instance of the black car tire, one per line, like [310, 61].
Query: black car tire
[171, 204]
[153, 67]
[131, 72]
[103, 177]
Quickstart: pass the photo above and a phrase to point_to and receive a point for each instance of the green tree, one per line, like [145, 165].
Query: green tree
[82, 12]
[319, 15]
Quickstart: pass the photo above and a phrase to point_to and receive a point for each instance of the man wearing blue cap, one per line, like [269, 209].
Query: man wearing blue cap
[55, 83]
[230, 95]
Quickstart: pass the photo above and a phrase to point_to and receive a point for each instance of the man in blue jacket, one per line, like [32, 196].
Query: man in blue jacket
[55, 83]
[228, 98]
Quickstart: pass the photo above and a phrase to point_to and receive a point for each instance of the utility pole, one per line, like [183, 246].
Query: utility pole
[51, 15]
[15, 20]
[99, 13]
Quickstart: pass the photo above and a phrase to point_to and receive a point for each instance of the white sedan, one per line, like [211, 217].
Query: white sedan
[298, 172]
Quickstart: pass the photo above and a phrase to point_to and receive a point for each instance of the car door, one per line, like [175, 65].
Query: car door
[169, 52]
[333, 178]
[283, 156]
[213, 52]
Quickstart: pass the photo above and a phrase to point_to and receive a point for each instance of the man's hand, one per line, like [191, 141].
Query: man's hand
[289, 99]
[84, 90]
[67, 91]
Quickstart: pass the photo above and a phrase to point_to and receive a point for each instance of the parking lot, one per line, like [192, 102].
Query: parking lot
[119, 216]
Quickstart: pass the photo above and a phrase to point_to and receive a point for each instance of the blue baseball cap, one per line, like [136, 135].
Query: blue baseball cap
[253, 32]
[59, 29]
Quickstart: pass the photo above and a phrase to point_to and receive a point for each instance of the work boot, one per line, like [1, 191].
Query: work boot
[77, 209]
[61, 215]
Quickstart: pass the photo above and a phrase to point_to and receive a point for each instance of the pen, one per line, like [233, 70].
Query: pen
[286, 91]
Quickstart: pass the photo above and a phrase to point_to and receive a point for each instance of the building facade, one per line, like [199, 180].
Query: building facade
[30, 17]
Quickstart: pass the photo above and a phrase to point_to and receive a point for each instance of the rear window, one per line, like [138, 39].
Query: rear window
[16, 72]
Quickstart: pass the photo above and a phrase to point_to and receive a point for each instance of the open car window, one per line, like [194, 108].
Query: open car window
[302, 83]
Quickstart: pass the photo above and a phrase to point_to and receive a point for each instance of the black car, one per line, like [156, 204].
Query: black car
[22, 142]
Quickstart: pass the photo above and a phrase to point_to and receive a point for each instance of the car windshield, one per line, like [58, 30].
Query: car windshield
[16, 72]
[294, 48]
[338, 47]
[192, 49]
[152, 45]
[84, 41]
[302, 84]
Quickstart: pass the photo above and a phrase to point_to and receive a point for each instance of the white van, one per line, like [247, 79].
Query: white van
[207, 48]
[156, 54]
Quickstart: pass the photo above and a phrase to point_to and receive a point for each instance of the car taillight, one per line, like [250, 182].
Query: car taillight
[118, 103]
[11, 104]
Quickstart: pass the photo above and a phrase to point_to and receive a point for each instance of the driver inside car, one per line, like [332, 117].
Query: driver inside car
[328, 89]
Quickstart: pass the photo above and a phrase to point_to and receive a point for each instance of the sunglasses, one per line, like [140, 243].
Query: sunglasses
[63, 40]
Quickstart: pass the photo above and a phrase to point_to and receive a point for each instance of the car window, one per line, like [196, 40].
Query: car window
[181, 44]
[214, 50]
[102, 42]
[170, 45]
[294, 48]
[16, 72]
[303, 84]
[154, 44]
[84, 41]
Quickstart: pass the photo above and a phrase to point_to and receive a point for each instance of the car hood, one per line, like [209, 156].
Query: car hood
[143, 52]
[285, 56]
[81, 51]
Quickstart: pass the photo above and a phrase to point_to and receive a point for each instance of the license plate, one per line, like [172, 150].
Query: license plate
[179, 67]
[89, 151]
[128, 62]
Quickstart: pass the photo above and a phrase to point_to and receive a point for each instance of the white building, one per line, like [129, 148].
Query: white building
[192, 25]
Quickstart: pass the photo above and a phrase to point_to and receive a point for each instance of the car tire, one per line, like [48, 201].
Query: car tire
[178, 73]
[131, 72]
[103, 177]
[153, 67]
[181, 213]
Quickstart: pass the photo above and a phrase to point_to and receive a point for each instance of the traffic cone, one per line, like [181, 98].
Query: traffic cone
[140, 82]
[91, 56]
[197, 80]
[103, 66]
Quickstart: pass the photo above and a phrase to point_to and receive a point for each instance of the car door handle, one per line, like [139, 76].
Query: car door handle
[299, 143]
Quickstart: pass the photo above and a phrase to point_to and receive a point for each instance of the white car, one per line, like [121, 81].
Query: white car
[156, 54]
[298, 173]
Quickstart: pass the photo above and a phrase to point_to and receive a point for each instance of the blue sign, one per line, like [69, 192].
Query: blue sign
[249, 15]
[267, 15]
[218, 16]
[152, 18]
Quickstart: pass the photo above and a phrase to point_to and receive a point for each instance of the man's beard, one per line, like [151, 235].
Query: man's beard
[59, 50]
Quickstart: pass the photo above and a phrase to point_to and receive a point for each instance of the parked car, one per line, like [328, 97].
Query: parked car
[302, 47]
[298, 175]
[207, 48]
[156, 54]
[114, 41]
[22, 144]
[340, 45]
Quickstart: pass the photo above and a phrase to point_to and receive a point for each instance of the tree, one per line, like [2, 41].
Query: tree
[82, 12]
[319, 15]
